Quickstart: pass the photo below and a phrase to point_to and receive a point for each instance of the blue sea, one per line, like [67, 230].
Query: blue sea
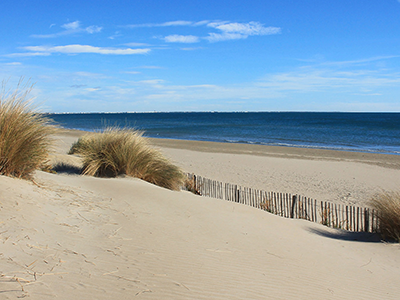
[363, 132]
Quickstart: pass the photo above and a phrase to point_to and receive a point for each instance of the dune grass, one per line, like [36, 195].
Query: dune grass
[388, 206]
[126, 152]
[25, 135]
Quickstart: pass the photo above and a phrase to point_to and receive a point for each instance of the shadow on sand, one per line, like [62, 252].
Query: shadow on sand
[67, 169]
[344, 235]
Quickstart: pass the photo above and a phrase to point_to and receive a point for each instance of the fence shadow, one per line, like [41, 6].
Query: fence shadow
[339, 234]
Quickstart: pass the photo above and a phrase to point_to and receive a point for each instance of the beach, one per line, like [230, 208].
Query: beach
[326, 175]
[67, 236]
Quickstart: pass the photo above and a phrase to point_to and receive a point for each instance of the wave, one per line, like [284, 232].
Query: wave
[322, 147]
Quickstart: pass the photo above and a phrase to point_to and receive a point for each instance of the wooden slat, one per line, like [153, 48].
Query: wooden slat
[291, 206]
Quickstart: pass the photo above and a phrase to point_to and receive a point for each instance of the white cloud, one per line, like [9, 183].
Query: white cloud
[13, 64]
[360, 61]
[137, 45]
[251, 28]
[71, 28]
[227, 30]
[170, 24]
[27, 54]
[191, 48]
[234, 31]
[77, 49]
[154, 83]
[93, 29]
[316, 79]
[181, 39]
[176, 23]
[217, 37]
[165, 24]
[92, 89]
[205, 22]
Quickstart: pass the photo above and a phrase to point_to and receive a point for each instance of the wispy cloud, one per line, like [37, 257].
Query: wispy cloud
[78, 49]
[181, 39]
[13, 64]
[176, 23]
[322, 79]
[360, 61]
[132, 72]
[233, 31]
[191, 48]
[165, 24]
[93, 89]
[225, 30]
[137, 45]
[251, 28]
[27, 54]
[150, 67]
[331, 87]
[70, 28]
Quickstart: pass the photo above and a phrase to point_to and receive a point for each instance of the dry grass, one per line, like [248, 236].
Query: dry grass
[24, 134]
[388, 206]
[190, 185]
[126, 152]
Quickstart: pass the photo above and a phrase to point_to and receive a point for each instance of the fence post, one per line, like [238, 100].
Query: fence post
[366, 220]
[347, 217]
[294, 199]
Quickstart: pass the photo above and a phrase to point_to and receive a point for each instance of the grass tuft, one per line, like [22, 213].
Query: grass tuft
[126, 152]
[388, 206]
[25, 135]
[190, 185]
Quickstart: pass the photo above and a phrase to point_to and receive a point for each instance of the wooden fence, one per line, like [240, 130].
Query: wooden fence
[346, 217]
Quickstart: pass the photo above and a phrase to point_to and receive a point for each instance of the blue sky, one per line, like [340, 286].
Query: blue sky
[267, 55]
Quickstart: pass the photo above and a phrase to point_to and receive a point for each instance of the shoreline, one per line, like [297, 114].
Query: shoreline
[379, 159]
[384, 160]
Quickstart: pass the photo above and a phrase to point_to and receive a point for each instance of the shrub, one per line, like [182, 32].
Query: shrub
[126, 152]
[388, 206]
[24, 134]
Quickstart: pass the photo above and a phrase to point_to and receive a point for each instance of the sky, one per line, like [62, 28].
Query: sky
[153, 55]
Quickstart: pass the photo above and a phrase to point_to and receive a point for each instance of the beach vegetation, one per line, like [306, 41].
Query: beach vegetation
[267, 206]
[115, 152]
[25, 135]
[325, 216]
[387, 205]
[190, 185]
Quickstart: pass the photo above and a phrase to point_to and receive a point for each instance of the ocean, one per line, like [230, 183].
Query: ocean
[363, 132]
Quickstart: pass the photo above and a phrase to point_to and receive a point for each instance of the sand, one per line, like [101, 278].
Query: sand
[79, 237]
[335, 176]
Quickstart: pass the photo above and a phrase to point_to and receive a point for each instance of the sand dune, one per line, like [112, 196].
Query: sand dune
[77, 237]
